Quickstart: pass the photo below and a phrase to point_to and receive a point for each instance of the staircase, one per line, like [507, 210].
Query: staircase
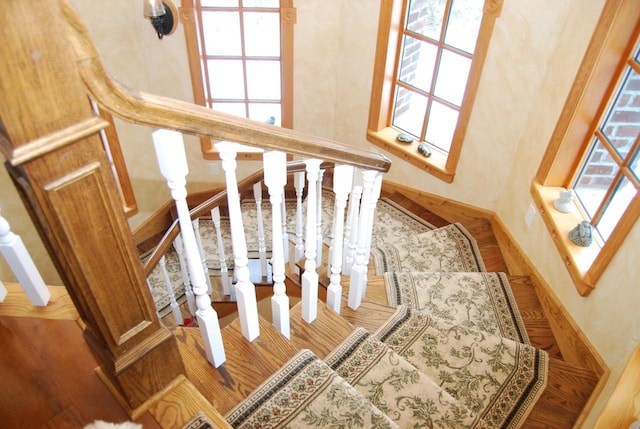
[558, 406]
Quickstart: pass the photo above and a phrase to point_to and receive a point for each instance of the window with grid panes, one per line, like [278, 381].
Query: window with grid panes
[240, 55]
[428, 88]
[594, 149]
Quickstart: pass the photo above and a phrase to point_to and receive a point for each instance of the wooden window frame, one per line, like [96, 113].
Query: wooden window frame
[389, 43]
[189, 19]
[604, 62]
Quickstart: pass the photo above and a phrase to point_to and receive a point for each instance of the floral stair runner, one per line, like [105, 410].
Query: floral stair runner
[396, 387]
[450, 248]
[306, 392]
[477, 300]
[459, 324]
[495, 377]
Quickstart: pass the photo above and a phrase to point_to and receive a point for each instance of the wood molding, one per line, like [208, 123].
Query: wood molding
[574, 344]
[447, 209]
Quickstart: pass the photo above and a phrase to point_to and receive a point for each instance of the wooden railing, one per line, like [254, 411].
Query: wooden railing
[59, 166]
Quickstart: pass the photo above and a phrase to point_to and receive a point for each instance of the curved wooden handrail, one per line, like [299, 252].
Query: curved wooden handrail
[205, 207]
[162, 112]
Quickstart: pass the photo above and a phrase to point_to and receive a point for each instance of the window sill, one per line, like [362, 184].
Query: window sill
[434, 164]
[578, 260]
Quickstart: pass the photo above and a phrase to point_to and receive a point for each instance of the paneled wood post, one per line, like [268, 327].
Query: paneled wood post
[50, 138]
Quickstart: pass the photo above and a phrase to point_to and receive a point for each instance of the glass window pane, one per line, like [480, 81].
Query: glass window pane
[418, 62]
[452, 77]
[441, 125]
[622, 122]
[464, 24]
[425, 17]
[225, 78]
[221, 33]
[410, 109]
[634, 165]
[219, 3]
[263, 112]
[616, 207]
[237, 109]
[595, 178]
[263, 80]
[262, 34]
[261, 3]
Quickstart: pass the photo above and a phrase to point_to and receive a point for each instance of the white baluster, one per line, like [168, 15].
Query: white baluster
[203, 257]
[224, 270]
[351, 229]
[298, 182]
[285, 237]
[244, 289]
[310, 276]
[319, 242]
[3, 292]
[175, 308]
[173, 166]
[191, 301]
[22, 266]
[359, 270]
[342, 178]
[262, 246]
[275, 177]
[375, 195]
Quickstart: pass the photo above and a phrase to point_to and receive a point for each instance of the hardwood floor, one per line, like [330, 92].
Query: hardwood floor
[49, 379]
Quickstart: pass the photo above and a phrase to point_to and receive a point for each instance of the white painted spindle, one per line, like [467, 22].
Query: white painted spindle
[3, 292]
[188, 292]
[244, 289]
[359, 270]
[22, 266]
[375, 195]
[173, 166]
[285, 237]
[275, 177]
[173, 304]
[319, 242]
[298, 183]
[342, 178]
[203, 257]
[224, 270]
[262, 246]
[351, 229]
[310, 276]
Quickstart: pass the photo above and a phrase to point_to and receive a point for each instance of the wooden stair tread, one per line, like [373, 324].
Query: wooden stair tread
[181, 404]
[535, 320]
[17, 304]
[248, 363]
[322, 335]
[568, 390]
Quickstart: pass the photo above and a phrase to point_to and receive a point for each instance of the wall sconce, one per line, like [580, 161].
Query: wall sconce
[163, 16]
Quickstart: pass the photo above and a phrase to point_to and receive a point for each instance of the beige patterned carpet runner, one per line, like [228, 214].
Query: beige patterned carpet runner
[495, 377]
[306, 393]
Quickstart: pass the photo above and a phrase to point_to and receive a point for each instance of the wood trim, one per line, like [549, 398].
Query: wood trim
[388, 44]
[574, 345]
[450, 210]
[593, 81]
[622, 407]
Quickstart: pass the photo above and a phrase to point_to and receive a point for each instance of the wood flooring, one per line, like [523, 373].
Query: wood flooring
[49, 379]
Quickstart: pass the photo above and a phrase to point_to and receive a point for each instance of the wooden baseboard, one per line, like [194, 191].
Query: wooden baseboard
[450, 210]
[573, 343]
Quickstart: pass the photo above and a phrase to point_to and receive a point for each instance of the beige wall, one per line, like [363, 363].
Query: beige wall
[533, 57]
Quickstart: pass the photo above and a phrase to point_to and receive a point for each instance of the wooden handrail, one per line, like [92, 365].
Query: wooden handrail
[205, 207]
[162, 112]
